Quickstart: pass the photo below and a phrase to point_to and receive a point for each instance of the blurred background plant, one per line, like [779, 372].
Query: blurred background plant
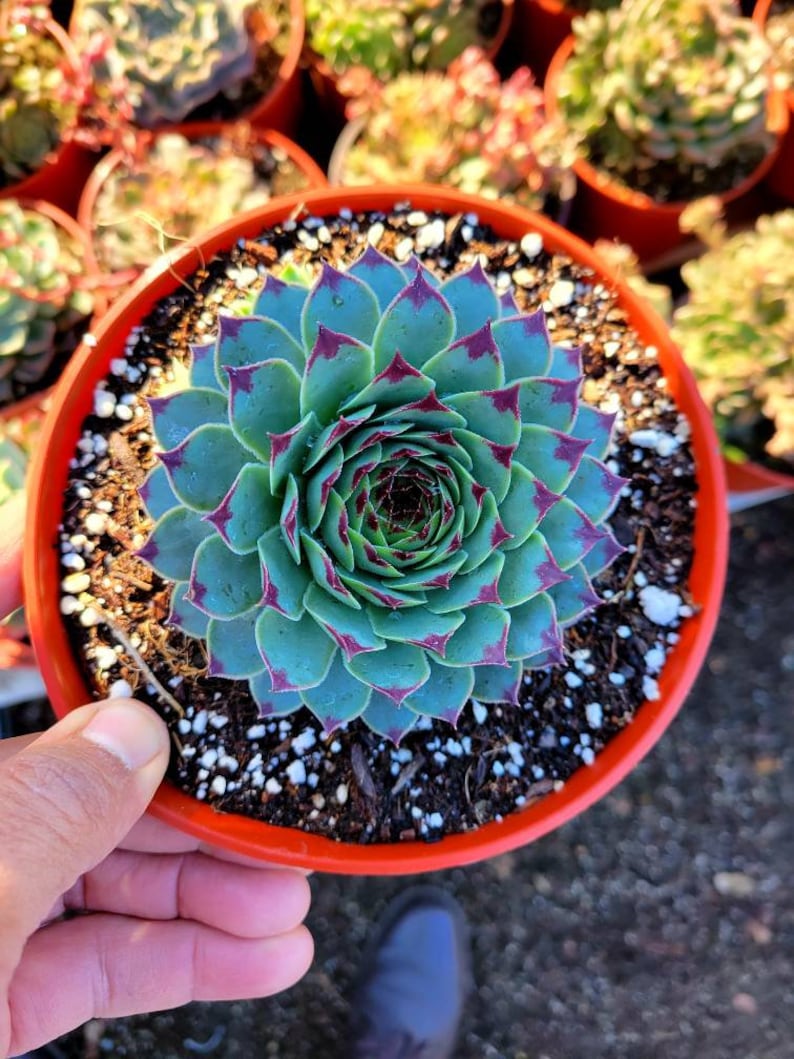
[670, 89]
[42, 296]
[736, 331]
[465, 129]
[387, 37]
[36, 109]
[173, 187]
[779, 31]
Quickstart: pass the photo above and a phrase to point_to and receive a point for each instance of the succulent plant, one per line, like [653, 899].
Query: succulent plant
[174, 55]
[40, 295]
[35, 112]
[736, 331]
[387, 37]
[407, 496]
[177, 187]
[466, 129]
[779, 31]
[682, 81]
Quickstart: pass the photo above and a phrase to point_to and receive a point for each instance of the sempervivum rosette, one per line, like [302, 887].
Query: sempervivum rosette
[380, 496]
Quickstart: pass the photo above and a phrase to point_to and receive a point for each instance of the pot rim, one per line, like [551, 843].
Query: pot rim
[289, 846]
[193, 130]
[611, 188]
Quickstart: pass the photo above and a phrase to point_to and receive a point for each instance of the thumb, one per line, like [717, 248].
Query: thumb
[68, 798]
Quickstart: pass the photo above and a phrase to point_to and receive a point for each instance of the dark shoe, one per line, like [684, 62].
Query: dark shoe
[414, 980]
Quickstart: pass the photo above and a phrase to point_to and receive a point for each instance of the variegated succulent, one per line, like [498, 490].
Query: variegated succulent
[381, 495]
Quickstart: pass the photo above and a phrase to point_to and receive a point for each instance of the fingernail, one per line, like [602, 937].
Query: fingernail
[132, 733]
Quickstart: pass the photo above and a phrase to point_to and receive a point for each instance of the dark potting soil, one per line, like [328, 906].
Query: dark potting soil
[672, 181]
[354, 785]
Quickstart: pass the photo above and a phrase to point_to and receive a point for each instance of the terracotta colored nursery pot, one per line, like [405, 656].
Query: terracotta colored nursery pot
[325, 81]
[539, 28]
[61, 178]
[607, 209]
[67, 688]
[192, 131]
[780, 178]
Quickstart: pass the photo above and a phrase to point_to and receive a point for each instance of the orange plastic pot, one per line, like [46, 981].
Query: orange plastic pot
[326, 83]
[60, 179]
[780, 178]
[540, 27]
[607, 209]
[193, 131]
[750, 483]
[66, 686]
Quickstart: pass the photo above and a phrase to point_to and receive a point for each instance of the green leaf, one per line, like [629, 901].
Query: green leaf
[472, 299]
[339, 302]
[493, 414]
[337, 367]
[173, 542]
[481, 639]
[396, 671]
[497, 683]
[285, 581]
[156, 493]
[380, 274]
[466, 590]
[595, 489]
[264, 399]
[603, 553]
[325, 573]
[491, 463]
[569, 533]
[289, 451]
[574, 597]
[184, 615]
[339, 699]
[179, 414]
[222, 584]
[417, 324]
[597, 427]
[247, 340]
[528, 570]
[351, 629]
[232, 649]
[290, 518]
[247, 510]
[565, 363]
[471, 363]
[202, 366]
[319, 486]
[212, 446]
[488, 535]
[524, 345]
[549, 402]
[418, 627]
[283, 303]
[298, 654]
[533, 628]
[444, 694]
[272, 703]
[524, 506]
[551, 456]
[396, 385]
[336, 432]
[335, 531]
[387, 719]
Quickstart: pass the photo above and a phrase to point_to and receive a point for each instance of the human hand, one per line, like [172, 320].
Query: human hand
[168, 922]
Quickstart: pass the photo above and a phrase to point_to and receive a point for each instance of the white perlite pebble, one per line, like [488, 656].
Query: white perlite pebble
[256, 731]
[95, 523]
[561, 293]
[104, 404]
[105, 657]
[74, 584]
[304, 741]
[650, 689]
[594, 712]
[273, 786]
[341, 793]
[664, 444]
[659, 606]
[480, 712]
[531, 244]
[296, 771]
[435, 820]
[431, 236]
[119, 689]
[218, 785]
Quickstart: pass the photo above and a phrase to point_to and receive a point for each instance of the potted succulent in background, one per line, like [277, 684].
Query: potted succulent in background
[405, 524]
[142, 201]
[461, 128]
[672, 101]
[540, 27]
[45, 295]
[776, 17]
[736, 331]
[188, 61]
[38, 76]
[350, 44]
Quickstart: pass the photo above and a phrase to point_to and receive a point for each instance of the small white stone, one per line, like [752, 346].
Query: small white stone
[659, 606]
[623, 631]
[431, 236]
[375, 234]
[588, 755]
[75, 583]
[120, 689]
[341, 793]
[594, 712]
[435, 820]
[296, 771]
[72, 561]
[70, 605]
[104, 404]
[562, 293]
[654, 659]
[531, 244]
[218, 785]
[304, 741]
[573, 680]
[200, 722]
[480, 712]
[183, 725]
[272, 786]
[105, 657]
[124, 413]
[403, 249]
[208, 758]
[89, 618]
[95, 523]
[416, 218]
[256, 731]
[617, 679]
[650, 689]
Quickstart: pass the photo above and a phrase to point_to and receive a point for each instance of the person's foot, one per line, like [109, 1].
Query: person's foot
[414, 980]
